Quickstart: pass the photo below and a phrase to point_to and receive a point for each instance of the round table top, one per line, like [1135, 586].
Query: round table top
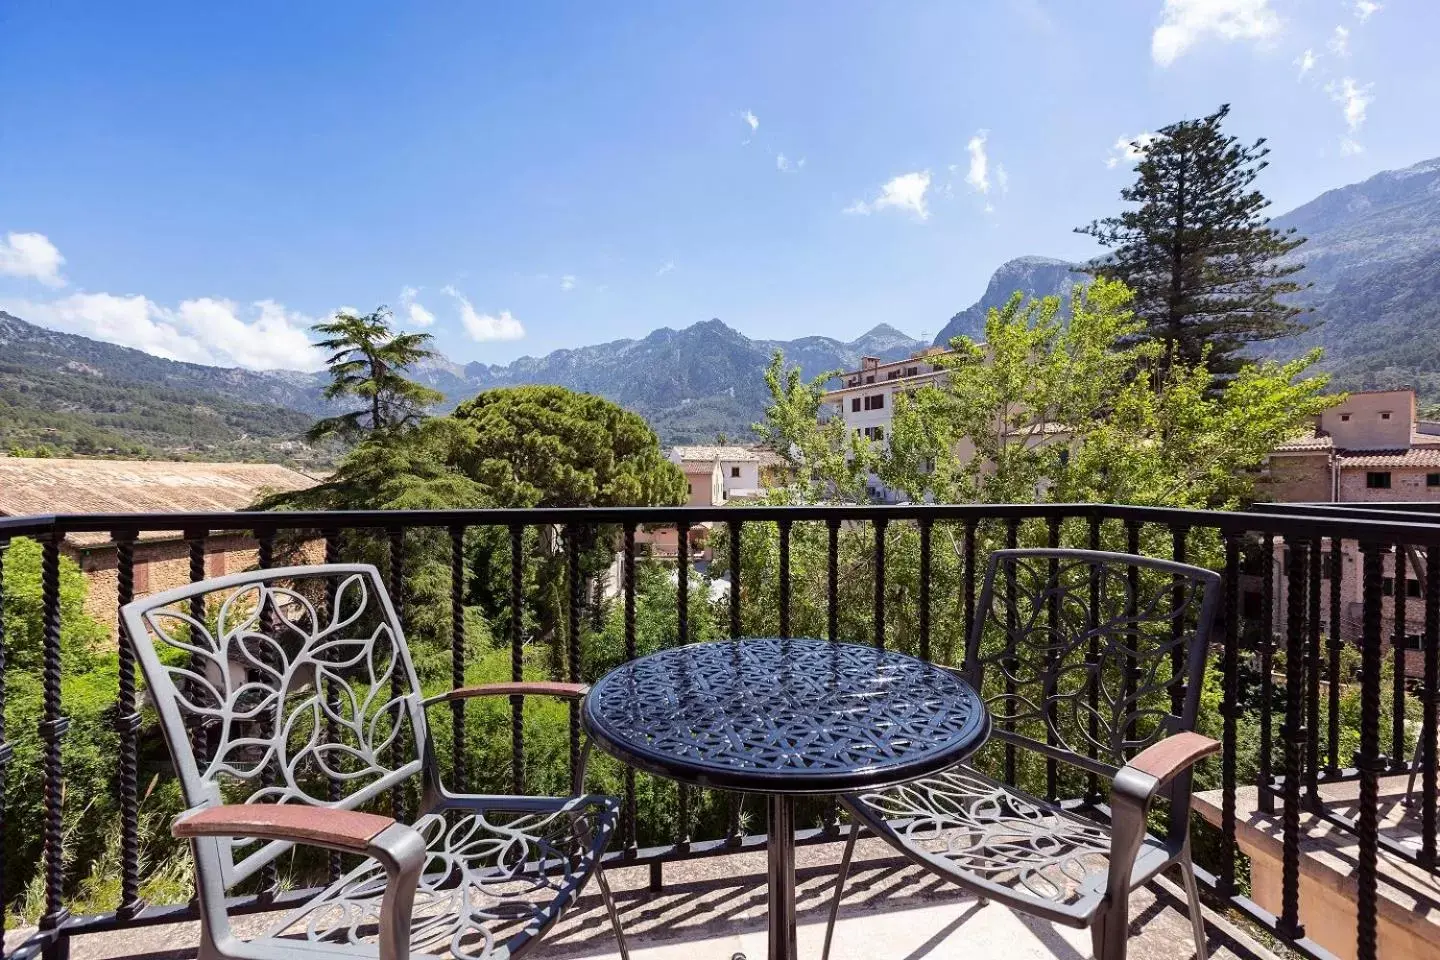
[785, 716]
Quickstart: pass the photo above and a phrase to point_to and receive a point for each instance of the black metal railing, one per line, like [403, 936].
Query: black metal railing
[1295, 551]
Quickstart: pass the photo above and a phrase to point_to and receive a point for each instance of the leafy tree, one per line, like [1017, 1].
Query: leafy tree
[1080, 410]
[546, 446]
[1207, 269]
[824, 457]
[368, 360]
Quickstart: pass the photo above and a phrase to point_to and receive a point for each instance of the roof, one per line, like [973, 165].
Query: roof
[1306, 445]
[30, 486]
[1415, 458]
[703, 454]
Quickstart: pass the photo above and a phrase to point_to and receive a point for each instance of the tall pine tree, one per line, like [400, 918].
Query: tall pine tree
[1199, 253]
[367, 361]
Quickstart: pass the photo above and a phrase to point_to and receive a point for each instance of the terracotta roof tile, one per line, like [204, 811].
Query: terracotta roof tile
[30, 486]
[703, 454]
[1415, 458]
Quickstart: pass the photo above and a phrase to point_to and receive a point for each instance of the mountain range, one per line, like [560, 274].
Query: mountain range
[1372, 260]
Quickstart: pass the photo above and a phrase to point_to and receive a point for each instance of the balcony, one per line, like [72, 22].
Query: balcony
[1314, 721]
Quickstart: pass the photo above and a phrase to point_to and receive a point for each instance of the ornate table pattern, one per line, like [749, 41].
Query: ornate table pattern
[785, 717]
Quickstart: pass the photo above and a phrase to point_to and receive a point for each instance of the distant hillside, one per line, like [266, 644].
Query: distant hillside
[1033, 276]
[1372, 257]
[691, 384]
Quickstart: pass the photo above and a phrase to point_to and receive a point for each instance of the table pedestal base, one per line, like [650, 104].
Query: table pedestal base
[780, 850]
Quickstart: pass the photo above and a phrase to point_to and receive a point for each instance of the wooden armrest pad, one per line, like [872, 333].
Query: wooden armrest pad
[342, 829]
[568, 691]
[1165, 759]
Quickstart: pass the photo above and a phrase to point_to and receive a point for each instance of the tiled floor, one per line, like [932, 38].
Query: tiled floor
[716, 908]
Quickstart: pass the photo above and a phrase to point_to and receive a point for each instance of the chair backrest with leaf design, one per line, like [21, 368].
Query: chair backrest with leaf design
[288, 685]
[1088, 657]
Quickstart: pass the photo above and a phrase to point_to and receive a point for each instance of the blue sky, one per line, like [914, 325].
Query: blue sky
[204, 180]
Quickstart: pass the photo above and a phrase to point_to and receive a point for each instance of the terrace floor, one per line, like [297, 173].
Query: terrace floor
[716, 908]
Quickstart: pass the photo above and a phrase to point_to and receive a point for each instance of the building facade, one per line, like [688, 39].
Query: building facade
[865, 398]
[1372, 447]
[30, 486]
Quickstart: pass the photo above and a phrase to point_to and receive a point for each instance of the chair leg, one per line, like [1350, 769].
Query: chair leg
[839, 888]
[1192, 893]
[1111, 932]
[609, 899]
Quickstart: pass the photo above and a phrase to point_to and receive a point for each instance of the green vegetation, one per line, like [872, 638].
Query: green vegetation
[1208, 271]
[62, 413]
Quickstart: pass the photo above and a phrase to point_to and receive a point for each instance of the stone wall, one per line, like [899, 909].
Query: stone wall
[165, 564]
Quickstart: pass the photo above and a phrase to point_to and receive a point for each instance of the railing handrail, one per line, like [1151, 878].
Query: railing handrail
[1280, 519]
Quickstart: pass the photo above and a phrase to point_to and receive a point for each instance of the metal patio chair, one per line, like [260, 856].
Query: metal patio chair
[1076, 660]
[289, 701]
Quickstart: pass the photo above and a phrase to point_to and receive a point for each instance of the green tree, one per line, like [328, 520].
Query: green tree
[1208, 271]
[1078, 409]
[548, 446]
[824, 457]
[368, 360]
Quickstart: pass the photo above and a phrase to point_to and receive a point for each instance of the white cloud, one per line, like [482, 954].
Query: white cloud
[785, 165]
[1339, 42]
[413, 311]
[567, 282]
[1002, 179]
[485, 327]
[978, 175]
[31, 255]
[1129, 149]
[1185, 23]
[1349, 146]
[752, 120]
[1365, 9]
[665, 268]
[1354, 101]
[905, 192]
[1306, 62]
[263, 336]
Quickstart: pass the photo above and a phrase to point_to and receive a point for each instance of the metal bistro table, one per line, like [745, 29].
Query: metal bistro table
[785, 718]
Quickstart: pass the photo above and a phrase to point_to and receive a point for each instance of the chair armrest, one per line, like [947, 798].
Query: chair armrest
[1167, 759]
[565, 691]
[399, 849]
[349, 831]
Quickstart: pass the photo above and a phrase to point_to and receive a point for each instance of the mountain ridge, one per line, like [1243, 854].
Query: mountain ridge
[1372, 261]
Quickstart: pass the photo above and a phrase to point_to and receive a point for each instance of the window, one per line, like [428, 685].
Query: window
[734, 472]
[1432, 479]
[1412, 588]
[1378, 480]
[855, 405]
[691, 485]
[1344, 418]
[1414, 641]
[870, 379]
[875, 402]
[1387, 586]
[1385, 415]
[874, 433]
[892, 374]
[879, 433]
[911, 371]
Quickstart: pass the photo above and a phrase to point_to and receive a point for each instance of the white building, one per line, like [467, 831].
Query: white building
[738, 469]
[865, 398]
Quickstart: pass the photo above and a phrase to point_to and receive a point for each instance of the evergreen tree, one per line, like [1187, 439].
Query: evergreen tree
[1197, 250]
[368, 360]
